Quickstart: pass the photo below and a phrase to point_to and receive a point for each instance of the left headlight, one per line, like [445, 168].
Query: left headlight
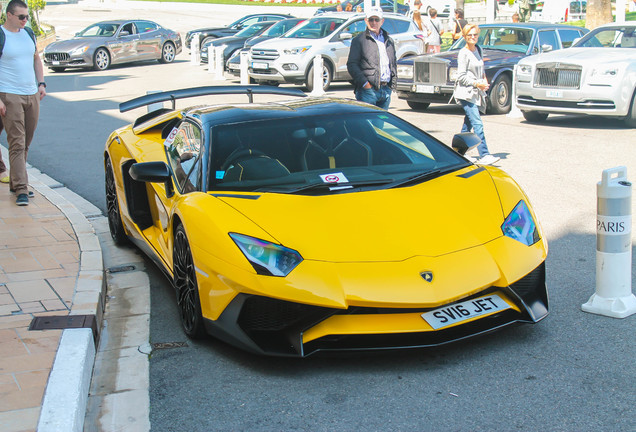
[520, 226]
[452, 74]
[79, 51]
[604, 75]
[267, 258]
[405, 71]
[297, 50]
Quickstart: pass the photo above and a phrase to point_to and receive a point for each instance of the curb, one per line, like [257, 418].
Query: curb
[65, 398]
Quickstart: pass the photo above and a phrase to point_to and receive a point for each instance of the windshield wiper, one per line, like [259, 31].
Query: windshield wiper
[333, 186]
[418, 178]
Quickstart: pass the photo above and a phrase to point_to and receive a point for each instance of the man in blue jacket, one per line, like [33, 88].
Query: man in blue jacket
[372, 63]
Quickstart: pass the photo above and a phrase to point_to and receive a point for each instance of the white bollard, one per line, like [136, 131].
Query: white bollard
[515, 112]
[613, 296]
[195, 55]
[211, 59]
[157, 105]
[317, 90]
[245, 78]
[218, 63]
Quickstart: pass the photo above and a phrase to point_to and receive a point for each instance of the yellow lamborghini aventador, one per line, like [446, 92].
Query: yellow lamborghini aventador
[315, 224]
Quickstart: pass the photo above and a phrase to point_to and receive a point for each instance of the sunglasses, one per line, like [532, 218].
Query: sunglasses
[472, 35]
[20, 17]
[374, 19]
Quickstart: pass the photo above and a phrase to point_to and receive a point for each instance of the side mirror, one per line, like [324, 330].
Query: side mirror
[575, 40]
[345, 36]
[152, 172]
[546, 48]
[124, 33]
[462, 142]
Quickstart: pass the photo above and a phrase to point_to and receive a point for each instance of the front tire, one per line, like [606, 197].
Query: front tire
[185, 284]
[535, 116]
[418, 106]
[168, 53]
[58, 69]
[630, 121]
[101, 59]
[117, 231]
[500, 95]
[326, 77]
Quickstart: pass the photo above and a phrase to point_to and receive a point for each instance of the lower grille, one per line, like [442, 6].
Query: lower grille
[57, 56]
[555, 75]
[429, 73]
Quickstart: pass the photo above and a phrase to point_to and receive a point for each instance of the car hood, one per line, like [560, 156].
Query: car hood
[438, 217]
[208, 29]
[490, 55]
[583, 56]
[228, 40]
[288, 42]
[71, 44]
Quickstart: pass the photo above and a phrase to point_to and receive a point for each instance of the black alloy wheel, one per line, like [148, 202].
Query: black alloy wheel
[418, 106]
[115, 225]
[185, 284]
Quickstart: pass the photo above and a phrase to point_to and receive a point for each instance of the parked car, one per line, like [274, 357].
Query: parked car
[233, 64]
[236, 42]
[386, 5]
[286, 227]
[596, 76]
[555, 11]
[427, 79]
[443, 7]
[205, 34]
[106, 43]
[290, 58]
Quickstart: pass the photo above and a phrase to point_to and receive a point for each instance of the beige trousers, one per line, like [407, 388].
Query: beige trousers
[19, 122]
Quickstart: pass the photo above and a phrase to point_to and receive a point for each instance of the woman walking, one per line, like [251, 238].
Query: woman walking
[470, 90]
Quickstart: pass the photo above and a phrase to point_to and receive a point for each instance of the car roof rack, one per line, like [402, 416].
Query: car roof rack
[173, 95]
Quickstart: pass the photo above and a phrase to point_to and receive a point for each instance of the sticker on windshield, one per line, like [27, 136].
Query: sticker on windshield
[334, 178]
[171, 137]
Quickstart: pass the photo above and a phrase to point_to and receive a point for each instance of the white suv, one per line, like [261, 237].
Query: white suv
[289, 59]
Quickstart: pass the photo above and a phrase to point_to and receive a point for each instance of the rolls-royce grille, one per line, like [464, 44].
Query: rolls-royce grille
[57, 56]
[555, 75]
[430, 73]
[264, 54]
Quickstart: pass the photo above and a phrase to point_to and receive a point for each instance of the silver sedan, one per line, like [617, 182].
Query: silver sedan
[113, 42]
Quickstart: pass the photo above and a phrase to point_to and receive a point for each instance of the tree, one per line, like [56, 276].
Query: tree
[598, 12]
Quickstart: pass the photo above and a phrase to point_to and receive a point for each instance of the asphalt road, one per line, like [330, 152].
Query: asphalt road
[573, 371]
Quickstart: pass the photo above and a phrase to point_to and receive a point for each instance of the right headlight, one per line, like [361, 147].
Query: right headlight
[297, 50]
[520, 226]
[267, 258]
[405, 71]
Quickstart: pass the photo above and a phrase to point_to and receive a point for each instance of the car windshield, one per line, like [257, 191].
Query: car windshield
[280, 28]
[618, 37]
[326, 154]
[99, 30]
[315, 28]
[254, 29]
[501, 38]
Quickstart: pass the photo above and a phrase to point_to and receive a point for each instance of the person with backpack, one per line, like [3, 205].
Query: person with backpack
[435, 31]
[22, 87]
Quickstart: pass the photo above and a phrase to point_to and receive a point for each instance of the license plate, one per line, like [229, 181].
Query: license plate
[55, 63]
[464, 311]
[421, 88]
[258, 65]
[554, 93]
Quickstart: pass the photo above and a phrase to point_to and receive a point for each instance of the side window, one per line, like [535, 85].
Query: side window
[397, 26]
[184, 146]
[248, 22]
[129, 27]
[548, 38]
[568, 36]
[355, 27]
[145, 26]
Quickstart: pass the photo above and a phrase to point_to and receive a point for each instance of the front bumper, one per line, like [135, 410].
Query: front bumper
[275, 327]
[63, 59]
[425, 92]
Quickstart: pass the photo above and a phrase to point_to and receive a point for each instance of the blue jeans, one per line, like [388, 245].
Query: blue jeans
[472, 120]
[380, 97]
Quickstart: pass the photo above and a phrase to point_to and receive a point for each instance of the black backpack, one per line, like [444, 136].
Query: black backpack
[2, 38]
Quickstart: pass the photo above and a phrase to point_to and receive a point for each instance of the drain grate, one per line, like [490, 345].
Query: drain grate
[168, 345]
[65, 322]
[121, 269]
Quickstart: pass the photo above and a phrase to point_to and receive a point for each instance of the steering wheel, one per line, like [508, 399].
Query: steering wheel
[241, 154]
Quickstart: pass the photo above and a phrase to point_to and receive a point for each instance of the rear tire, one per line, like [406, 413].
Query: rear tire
[168, 53]
[630, 121]
[535, 116]
[418, 106]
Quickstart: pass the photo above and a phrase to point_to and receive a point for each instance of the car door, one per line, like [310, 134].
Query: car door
[339, 49]
[184, 148]
[546, 41]
[149, 45]
[124, 45]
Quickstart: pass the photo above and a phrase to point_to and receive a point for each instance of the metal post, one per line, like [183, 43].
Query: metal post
[195, 55]
[211, 59]
[317, 90]
[245, 78]
[218, 63]
[613, 296]
[515, 112]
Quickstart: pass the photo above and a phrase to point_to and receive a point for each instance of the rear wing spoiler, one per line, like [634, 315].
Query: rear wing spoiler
[173, 95]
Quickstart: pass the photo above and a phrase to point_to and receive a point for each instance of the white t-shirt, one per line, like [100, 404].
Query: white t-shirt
[16, 64]
[434, 26]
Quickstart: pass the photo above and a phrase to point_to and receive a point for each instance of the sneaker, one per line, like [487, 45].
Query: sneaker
[31, 194]
[471, 159]
[4, 177]
[23, 200]
[487, 159]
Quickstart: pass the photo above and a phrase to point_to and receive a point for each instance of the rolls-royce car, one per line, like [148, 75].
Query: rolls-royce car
[597, 76]
[106, 43]
[430, 78]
